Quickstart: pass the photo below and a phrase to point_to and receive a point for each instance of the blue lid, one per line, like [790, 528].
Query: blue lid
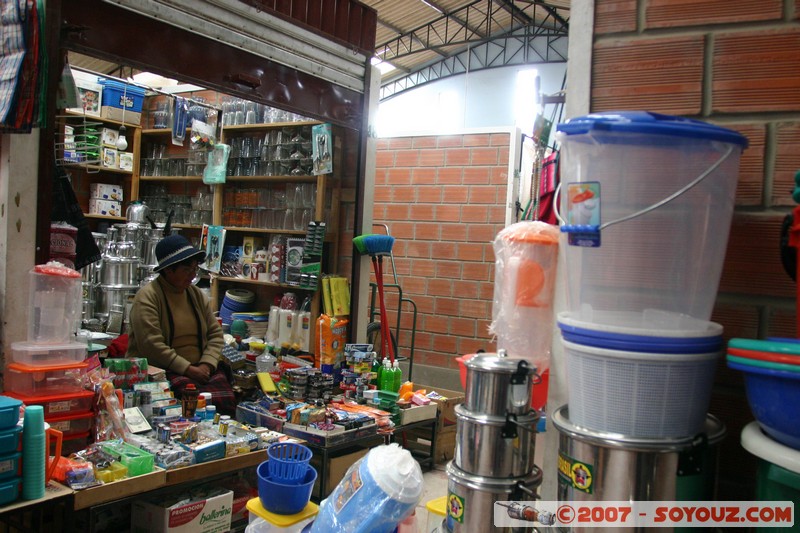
[114, 84]
[9, 403]
[640, 343]
[650, 123]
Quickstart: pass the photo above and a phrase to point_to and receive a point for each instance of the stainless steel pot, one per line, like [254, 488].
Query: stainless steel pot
[150, 238]
[497, 385]
[471, 498]
[137, 212]
[598, 466]
[109, 296]
[494, 446]
[132, 231]
[146, 275]
[120, 271]
[88, 309]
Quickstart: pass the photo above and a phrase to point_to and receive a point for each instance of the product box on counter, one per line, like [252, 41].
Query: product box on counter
[418, 413]
[105, 207]
[106, 191]
[333, 437]
[446, 405]
[184, 513]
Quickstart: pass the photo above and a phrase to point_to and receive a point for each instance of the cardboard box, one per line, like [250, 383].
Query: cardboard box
[105, 207]
[115, 113]
[126, 161]
[108, 137]
[106, 191]
[170, 515]
[250, 244]
[110, 157]
[418, 413]
[447, 408]
[445, 443]
[337, 467]
[90, 93]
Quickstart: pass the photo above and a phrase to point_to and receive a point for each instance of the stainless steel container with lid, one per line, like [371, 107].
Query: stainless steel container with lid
[598, 466]
[495, 446]
[497, 384]
[119, 271]
[471, 498]
[109, 296]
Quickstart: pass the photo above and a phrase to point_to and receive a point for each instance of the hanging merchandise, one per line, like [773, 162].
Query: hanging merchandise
[217, 164]
[525, 271]
[180, 120]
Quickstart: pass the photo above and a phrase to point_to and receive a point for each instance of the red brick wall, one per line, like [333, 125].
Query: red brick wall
[443, 199]
[735, 63]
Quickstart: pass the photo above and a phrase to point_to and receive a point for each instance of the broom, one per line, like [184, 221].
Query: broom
[377, 246]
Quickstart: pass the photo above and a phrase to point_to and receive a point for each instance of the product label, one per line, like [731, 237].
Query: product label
[6, 466]
[455, 508]
[348, 488]
[575, 473]
[59, 407]
[583, 214]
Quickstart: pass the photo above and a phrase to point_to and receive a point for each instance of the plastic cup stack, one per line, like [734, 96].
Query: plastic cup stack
[33, 453]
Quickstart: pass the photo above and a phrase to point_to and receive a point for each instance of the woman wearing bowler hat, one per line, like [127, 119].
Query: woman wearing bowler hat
[173, 326]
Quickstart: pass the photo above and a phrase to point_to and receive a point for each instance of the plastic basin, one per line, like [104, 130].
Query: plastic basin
[774, 399]
[282, 498]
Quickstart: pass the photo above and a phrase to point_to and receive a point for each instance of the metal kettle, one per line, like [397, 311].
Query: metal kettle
[137, 212]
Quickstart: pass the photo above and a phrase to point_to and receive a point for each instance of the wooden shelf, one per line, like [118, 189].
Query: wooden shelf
[94, 118]
[187, 226]
[263, 230]
[98, 168]
[170, 178]
[105, 217]
[264, 283]
[276, 179]
[243, 128]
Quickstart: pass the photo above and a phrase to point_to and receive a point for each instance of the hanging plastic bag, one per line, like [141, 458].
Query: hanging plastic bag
[217, 165]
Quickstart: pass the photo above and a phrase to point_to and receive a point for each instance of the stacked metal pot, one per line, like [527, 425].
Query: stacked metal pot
[127, 264]
[495, 443]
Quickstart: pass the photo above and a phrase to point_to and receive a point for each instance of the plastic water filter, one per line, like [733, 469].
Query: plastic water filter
[376, 494]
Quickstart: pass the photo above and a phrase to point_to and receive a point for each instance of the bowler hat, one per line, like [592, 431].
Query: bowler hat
[174, 249]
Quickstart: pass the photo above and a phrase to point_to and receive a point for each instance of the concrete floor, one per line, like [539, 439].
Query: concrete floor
[435, 486]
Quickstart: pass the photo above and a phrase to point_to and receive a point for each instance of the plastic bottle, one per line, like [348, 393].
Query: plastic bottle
[375, 370]
[265, 363]
[189, 400]
[397, 376]
[387, 376]
[211, 411]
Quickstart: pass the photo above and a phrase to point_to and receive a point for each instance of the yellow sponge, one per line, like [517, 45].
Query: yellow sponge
[265, 380]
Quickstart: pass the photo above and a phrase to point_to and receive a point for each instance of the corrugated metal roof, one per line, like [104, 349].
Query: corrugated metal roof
[413, 34]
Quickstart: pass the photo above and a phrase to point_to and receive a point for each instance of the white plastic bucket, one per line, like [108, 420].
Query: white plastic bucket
[638, 394]
[646, 204]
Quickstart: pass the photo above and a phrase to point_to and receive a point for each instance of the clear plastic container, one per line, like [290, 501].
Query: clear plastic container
[55, 303]
[35, 354]
[646, 204]
[72, 424]
[59, 404]
[40, 380]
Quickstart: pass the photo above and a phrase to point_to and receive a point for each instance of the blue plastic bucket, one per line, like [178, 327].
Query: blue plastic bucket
[283, 498]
